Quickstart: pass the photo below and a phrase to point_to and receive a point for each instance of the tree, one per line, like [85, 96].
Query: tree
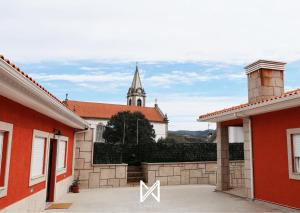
[122, 128]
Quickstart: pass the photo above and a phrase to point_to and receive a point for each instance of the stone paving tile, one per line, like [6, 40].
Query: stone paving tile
[182, 198]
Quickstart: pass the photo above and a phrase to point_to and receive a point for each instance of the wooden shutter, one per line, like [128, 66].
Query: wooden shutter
[37, 159]
[61, 154]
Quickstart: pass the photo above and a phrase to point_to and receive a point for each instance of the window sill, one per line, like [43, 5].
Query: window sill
[61, 171]
[294, 176]
[3, 192]
[36, 180]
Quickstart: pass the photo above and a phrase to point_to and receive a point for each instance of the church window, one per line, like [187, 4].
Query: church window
[139, 102]
[129, 102]
[99, 132]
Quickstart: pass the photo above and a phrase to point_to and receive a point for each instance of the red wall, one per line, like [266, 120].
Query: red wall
[271, 176]
[24, 121]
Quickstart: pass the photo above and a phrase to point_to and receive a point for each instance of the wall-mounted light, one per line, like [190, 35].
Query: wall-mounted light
[57, 132]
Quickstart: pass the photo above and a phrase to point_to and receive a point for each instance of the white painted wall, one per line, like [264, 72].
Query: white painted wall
[235, 134]
[159, 128]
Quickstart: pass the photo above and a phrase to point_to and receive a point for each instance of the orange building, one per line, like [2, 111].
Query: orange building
[271, 127]
[37, 136]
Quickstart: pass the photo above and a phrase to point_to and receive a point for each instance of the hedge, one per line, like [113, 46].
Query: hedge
[105, 153]
[162, 152]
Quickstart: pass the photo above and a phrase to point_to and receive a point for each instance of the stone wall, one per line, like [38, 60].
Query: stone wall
[237, 176]
[191, 173]
[99, 175]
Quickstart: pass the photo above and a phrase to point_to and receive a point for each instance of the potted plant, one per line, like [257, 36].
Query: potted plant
[75, 186]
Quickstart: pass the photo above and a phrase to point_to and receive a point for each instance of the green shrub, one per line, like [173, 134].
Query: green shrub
[162, 152]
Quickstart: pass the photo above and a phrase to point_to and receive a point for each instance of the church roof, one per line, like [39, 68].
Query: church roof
[106, 111]
[136, 82]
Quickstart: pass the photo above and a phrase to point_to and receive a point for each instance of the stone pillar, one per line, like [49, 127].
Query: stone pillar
[83, 157]
[223, 175]
[248, 157]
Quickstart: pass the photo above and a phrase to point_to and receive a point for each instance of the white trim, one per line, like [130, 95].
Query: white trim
[290, 133]
[17, 87]
[263, 64]
[7, 127]
[260, 108]
[41, 178]
[36, 201]
[62, 170]
[251, 158]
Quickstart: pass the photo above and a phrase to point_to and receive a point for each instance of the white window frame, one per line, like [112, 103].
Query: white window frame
[39, 179]
[290, 132]
[59, 138]
[6, 127]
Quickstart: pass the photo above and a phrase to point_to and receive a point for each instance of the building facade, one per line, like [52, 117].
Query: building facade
[271, 131]
[98, 114]
[37, 134]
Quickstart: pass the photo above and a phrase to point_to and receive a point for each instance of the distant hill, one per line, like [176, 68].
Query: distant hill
[183, 136]
[188, 133]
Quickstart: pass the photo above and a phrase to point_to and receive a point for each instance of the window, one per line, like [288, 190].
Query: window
[38, 157]
[296, 153]
[61, 161]
[99, 133]
[62, 153]
[139, 102]
[293, 144]
[5, 150]
[129, 102]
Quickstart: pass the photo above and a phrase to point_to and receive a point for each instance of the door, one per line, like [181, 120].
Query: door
[51, 170]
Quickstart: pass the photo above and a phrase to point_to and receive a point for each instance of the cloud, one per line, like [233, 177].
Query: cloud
[186, 77]
[231, 31]
[85, 68]
[183, 109]
[99, 77]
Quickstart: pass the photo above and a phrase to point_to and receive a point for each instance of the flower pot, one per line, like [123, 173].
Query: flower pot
[75, 189]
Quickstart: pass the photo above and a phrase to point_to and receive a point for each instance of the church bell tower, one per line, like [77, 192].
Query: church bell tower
[136, 95]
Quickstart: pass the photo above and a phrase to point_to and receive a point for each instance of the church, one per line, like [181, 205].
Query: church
[98, 114]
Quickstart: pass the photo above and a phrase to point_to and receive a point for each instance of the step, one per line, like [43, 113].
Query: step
[134, 179]
[134, 168]
[133, 184]
[134, 174]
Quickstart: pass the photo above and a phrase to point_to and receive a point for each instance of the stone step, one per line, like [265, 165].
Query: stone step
[134, 168]
[134, 174]
[134, 179]
[133, 184]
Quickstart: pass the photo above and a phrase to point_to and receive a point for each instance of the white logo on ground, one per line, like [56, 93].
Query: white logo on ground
[150, 190]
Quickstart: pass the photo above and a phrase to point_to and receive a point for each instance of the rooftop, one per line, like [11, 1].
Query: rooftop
[106, 111]
[246, 106]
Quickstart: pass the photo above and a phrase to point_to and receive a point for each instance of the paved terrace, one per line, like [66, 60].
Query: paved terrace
[184, 198]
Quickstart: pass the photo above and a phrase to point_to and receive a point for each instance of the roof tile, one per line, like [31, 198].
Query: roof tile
[106, 111]
[219, 112]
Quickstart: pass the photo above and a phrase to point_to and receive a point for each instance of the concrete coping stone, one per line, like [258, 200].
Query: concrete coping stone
[110, 164]
[194, 162]
[171, 163]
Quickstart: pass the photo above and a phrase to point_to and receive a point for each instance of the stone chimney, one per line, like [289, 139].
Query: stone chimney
[265, 80]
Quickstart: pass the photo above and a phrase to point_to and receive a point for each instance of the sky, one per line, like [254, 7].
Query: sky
[191, 53]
